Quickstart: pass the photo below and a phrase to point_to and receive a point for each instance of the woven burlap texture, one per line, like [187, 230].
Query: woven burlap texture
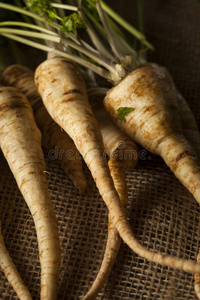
[163, 215]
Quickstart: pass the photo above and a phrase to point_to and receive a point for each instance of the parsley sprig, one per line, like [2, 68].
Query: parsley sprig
[71, 23]
[45, 8]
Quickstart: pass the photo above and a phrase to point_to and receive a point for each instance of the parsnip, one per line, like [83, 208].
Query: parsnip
[53, 137]
[123, 154]
[20, 142]
[191, 132]
[189, 124]
[155, 121]
[63, 92]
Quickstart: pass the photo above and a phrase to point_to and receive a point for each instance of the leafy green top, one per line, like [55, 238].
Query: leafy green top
[108, 53]
[44, 8]
[71, 23]
[68, 24]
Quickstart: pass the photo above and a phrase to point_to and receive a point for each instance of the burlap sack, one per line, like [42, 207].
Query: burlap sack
[163, 215]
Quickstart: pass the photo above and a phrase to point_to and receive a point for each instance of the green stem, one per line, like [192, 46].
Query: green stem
[117, 35]
[126, 25]
[94, 37]
[28, 33]
[114, 46]
[25, 18]
[94, 68]
[52, 36]
[23, 24]
[140, 10]
[96, 57]
[116, 28]
[100, 27]
[61, 12]
[36, 17]
[112, 66]
[64, 6]
[28, 13]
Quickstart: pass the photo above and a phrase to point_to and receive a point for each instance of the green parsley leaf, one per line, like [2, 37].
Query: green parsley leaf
[123, 111]
[44, 8]
[71, 23]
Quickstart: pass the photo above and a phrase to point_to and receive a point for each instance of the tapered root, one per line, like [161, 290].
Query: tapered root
[180, 156]
[117, 171]
[192, 134]
[197, 280]
[20, 141]
[13, 276]
[123, 154]
[58, 144]
[112, 248]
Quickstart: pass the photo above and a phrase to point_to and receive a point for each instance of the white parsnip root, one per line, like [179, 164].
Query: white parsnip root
[8, 267]
[53, 137]
[189, 124]
[161, 122]
[123, 153]
[191, 132]
[20, 142]
[155, 121]
[63, 92]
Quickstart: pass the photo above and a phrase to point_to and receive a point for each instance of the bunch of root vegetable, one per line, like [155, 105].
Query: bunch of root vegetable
[143, 102]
